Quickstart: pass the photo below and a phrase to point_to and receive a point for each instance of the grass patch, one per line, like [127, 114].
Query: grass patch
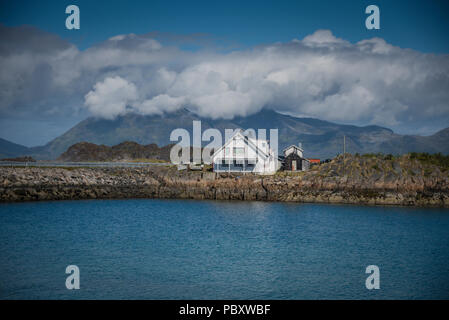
[379, 155]
[427, 171]
[437, 159]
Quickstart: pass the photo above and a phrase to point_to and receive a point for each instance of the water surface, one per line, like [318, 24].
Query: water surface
[181, 249]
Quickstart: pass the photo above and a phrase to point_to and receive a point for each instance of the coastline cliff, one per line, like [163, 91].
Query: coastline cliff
[375, 180]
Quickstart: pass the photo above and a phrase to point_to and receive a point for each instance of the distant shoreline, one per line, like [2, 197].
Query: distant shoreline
[322, 185]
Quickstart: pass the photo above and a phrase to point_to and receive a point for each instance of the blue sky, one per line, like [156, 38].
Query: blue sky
[422, 25]
[45, 86]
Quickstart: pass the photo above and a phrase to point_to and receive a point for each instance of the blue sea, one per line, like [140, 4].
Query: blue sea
[182, 249]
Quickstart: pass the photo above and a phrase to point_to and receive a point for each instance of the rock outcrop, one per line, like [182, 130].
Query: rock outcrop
[359, 180]
[125, 151]
[19, 159]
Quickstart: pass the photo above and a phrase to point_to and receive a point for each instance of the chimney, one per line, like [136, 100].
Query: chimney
[300, 145]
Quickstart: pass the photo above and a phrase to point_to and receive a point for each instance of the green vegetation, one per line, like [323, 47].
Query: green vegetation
[379, 155]
[289, 173]
[372, 155]
[387, 165]
[437, 159]
[208, 168]
[425, 158]
[427, 171]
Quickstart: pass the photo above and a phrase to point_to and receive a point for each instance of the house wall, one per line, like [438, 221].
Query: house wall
[302, 164]
[233, 167]
[305, 165]
[289, 159]
[250, 153]
[254, 162]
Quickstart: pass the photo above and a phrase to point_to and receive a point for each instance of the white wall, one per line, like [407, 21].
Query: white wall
[263, 165]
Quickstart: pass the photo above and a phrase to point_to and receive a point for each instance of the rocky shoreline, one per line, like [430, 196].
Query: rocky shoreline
[358, 183]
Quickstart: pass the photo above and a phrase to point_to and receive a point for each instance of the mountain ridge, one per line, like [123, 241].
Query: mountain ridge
[319, 138]
[10, 149]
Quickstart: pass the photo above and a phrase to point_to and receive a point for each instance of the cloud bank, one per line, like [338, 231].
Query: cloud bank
[322, 76]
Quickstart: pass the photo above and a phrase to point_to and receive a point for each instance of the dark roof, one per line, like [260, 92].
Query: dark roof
[294, 146]
[293, 155]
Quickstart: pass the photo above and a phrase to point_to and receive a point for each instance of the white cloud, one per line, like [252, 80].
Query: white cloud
[369, 82]
[159, 104]
[111, 97]
[322, 38]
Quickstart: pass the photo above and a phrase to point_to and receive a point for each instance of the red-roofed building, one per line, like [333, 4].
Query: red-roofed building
[314, 161]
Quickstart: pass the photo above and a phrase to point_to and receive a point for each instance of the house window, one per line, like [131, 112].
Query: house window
[238, 151]
[227, 151]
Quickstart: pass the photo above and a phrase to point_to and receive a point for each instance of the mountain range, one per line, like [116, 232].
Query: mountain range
[10, 149]
[320, 139]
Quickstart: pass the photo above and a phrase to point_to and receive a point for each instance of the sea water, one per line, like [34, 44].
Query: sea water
[183, 249]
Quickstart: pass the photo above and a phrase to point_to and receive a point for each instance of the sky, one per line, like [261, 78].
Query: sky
[222, 59]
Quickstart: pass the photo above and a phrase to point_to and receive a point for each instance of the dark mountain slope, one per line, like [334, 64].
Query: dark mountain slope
[320, 139]
[10, 149]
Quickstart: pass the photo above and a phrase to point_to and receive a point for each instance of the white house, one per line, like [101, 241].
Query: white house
[245, 154]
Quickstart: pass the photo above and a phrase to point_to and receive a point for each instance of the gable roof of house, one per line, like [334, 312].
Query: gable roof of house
[293, 155]
[246, 139]
[293, 146]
